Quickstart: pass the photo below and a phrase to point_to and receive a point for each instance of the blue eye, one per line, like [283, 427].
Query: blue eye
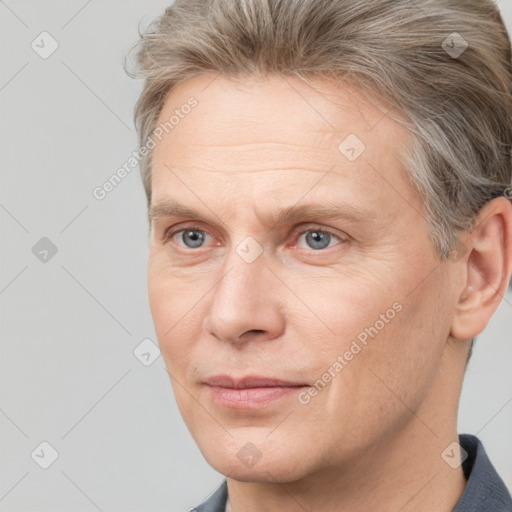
[195, 238]
[192, 238]
[317, 240]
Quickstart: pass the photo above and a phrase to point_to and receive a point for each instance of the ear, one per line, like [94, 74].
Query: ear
[487, 269]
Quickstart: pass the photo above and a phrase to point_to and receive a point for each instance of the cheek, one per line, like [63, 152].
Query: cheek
[173, 317]
[378, 329]
[344, 306]
[173, 309]
[403, 341]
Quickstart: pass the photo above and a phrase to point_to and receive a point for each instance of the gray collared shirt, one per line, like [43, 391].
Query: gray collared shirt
[484, 492]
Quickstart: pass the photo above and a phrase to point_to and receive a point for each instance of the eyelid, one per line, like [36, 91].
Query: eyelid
[316, 227]
[295, 234]
[174, 230]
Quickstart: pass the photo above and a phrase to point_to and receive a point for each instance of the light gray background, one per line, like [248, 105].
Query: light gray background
[69, 326]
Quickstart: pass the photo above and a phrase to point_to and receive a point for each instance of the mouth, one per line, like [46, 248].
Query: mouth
[249, 392]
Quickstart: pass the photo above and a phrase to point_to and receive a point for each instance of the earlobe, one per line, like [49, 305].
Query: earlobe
[487, 270]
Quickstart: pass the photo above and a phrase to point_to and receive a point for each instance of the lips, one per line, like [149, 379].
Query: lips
[250, 381]
[250, 391]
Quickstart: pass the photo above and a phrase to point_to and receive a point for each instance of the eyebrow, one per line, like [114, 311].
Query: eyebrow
[326, 210]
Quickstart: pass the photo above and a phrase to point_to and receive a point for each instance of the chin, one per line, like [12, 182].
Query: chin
[246, 461]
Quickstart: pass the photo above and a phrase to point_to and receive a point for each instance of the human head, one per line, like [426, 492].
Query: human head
[437, 133]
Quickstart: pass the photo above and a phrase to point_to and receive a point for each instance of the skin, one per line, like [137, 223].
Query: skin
[372, 438]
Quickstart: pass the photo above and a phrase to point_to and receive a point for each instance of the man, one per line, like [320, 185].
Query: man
[328, 187]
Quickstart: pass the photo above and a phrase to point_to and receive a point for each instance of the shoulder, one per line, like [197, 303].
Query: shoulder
[485, 490]
[216, 502]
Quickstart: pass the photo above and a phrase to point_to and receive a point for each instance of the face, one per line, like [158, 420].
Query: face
[294, 287]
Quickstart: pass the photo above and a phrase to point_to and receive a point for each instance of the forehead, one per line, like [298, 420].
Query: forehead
[276, 109]
[276, 131]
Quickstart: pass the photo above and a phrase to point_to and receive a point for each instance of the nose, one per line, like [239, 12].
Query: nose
[246, 303]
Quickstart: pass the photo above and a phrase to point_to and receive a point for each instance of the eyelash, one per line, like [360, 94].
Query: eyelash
[169, 234]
